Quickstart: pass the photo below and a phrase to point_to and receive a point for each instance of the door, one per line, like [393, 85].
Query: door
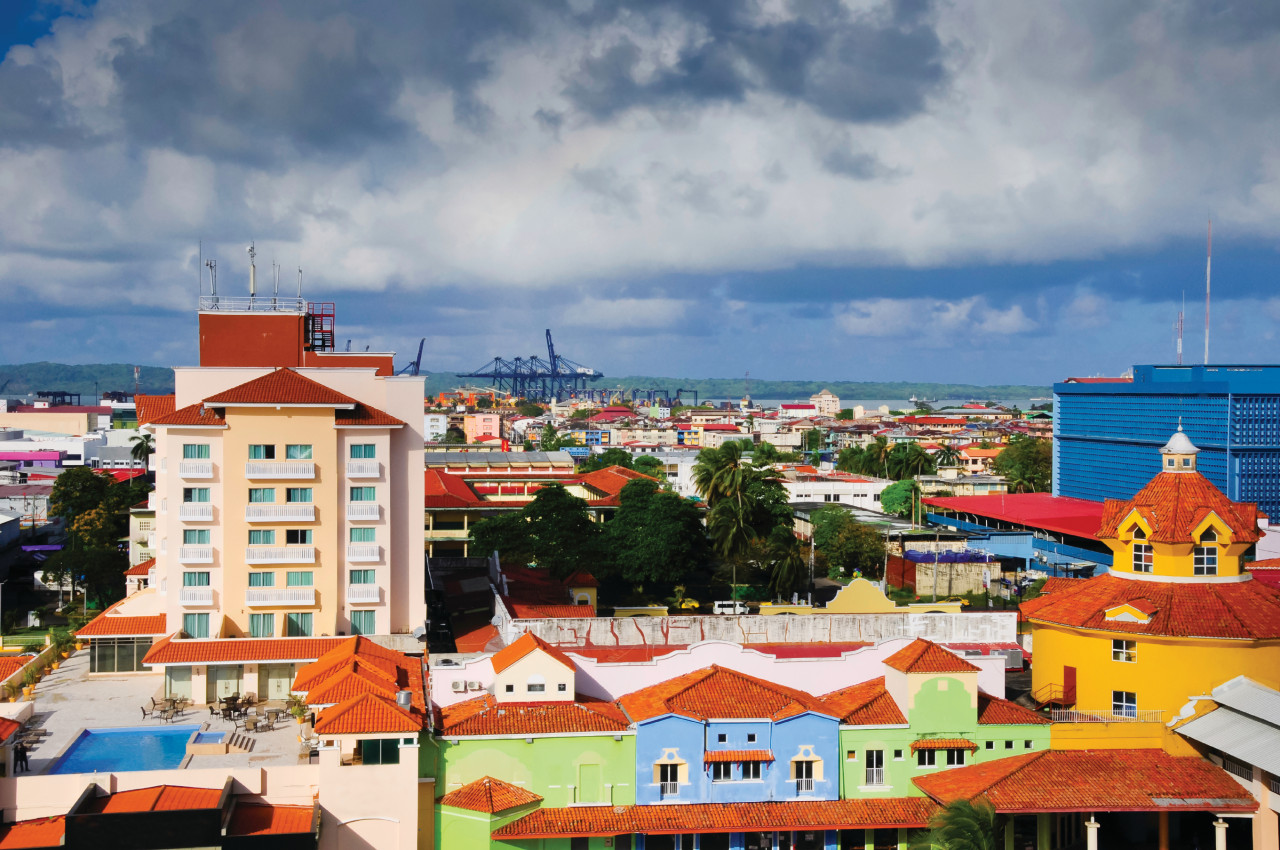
[274, 681]
[590, 787]
[177, 682]
[223, 682]
[1069, 685]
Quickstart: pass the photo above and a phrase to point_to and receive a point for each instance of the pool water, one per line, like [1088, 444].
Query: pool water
[209, 737]
[129, 748]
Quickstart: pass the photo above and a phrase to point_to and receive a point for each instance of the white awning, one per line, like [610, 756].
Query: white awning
[1241, 737]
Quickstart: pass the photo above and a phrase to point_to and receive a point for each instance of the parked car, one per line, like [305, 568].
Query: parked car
[731, 606]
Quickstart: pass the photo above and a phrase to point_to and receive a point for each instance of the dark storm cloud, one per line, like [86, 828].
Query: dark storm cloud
[874, 67]
[32, 110]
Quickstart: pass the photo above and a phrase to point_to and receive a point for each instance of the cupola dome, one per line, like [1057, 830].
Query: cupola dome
[1179, 454]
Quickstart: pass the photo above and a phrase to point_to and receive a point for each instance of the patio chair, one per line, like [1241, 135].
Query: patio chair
[167, 715]
[147, 712]
[250, 698]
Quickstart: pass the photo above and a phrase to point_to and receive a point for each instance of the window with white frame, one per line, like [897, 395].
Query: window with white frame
[1124, 650]
[195, 494]
[195, 537]
[298, 536]
[751, 770]
[1206, 555]
[1124, 703]
[363, 451]
[262, 452]
[721, 771]
[297, 452]
[298, 495]
[1142, 558]
[195, 451]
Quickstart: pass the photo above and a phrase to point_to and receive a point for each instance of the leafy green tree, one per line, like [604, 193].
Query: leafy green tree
[788, 562]
[649, 465]
[901, 498]
[963, 825]
[655, 536]
[506, 534]
[102, 573]
[549, 440]
[815, 440]
[850, 460]
[455, 435]
[722, 473]
[143, 446]
[845, 414]
[946, 456]
[583, 413]
[528, 445]
[906, 460]
[557, 533]
[876, 457]
[765, 453]
[1027, 463]
[845, 545]
[484, 403]
[78, 491]
[530, 409]
[607, 458]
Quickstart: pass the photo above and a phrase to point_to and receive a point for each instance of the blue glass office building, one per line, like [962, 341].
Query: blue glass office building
[1107, 436]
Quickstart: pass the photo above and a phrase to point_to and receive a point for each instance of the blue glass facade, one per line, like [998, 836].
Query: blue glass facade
[1107, 437]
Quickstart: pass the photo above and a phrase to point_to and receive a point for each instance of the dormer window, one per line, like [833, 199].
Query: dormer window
[1138, 533]
[1209, 536]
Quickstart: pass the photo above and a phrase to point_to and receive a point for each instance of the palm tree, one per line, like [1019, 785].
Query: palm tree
[946, 456]
[722, 473]
[143, 446]
[877, 456]
[963, 825]
[850, 459]
[788, 562]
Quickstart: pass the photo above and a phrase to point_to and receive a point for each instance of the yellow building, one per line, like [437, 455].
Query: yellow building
[1177, 614]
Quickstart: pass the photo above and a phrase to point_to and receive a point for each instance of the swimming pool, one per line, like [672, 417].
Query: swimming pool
[123, 749]
[210, 737]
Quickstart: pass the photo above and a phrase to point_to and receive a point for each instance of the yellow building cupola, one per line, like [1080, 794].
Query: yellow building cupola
[1179, 454]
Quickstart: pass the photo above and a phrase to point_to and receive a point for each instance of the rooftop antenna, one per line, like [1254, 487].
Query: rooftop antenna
[199, 267]
[212, 265]
[253, 272]
[275, 292]
[1178, 325]
[1208, 266]
[299, 282]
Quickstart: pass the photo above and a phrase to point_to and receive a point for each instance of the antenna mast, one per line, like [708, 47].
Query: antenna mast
[1178, 325]
[1208, 266]
[212, 265]
[253, 272]
[275, 292]
[299, 283]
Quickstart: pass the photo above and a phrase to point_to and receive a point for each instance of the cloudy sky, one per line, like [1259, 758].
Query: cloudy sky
[984, 191]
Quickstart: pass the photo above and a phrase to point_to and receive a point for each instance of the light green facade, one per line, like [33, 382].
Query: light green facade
[564, 770]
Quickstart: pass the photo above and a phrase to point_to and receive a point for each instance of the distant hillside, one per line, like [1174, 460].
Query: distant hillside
[22, 379]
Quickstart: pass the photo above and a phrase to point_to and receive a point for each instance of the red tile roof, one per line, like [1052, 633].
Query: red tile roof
[1174, 503]
[484, 715]
[281, 386]
[141, 569]
[445, 490]
[540, 611]
[192, 414]
[490, 796]
[368, 714]
[171, 650]
[924, 656]
[718, 692]
[150, 406]
[994, 711]
[263, 819]
[582, 578]
[7, 728]
[865, 704]
[1247, 610]
[943, 744]
[715, 756]
[1054, 584]
[1093, 781]
[522, 646]
[32, 834]
[109, 624]
[910, 812]
[12, 664]
[160, 798]
[367, 417]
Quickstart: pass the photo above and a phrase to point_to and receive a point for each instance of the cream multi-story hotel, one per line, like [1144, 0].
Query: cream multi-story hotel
[288, 505]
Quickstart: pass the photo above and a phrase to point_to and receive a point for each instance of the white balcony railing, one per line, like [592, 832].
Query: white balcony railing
[804, 786]
[362, 511]
[260, 596]
[280, 513]
[196, 512]
[669, 789]
[363, 594]
[280, 555]
[875, 776]
[295, 469]
[363, 469]
[196, 596]
[195, 554]
[196, 469]
[364, 553]
[1076, 715]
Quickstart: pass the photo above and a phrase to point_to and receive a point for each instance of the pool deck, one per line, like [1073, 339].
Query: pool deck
[68, 700]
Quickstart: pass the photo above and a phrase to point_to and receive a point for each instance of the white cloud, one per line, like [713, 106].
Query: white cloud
[931, 321]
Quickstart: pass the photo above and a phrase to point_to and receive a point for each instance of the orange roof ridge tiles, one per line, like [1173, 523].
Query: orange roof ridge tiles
[191, 415]
[171, 650]
[486, 716]
[525, 644]
[107, 624]
[995, 711]
[39, 832]
[1093, 780]
[368, 713]
[714, 756]
[338, 657]
[489, 795]
[158, 798]
[281, 386]
[270, 819]
[907, 812]
[866, 704]
[149, 407]
[1174, 503]
[1247, 610]
[366, 416]
[141, 569]
[925, 656]
[943, 744]
[355, 680]
[720, 692]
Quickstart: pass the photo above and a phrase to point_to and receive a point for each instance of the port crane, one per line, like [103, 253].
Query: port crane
[531, 377]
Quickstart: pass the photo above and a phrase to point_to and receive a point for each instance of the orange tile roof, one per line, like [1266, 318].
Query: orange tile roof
[484, 715]
[994, 711]
[264, 819]
[12, 664]
[160, 798]
[281, 386]
[1174, 503]
[357, 678]
[142, 568]
[444, 490]
[32, 834]
[1055, 584]
[910, 812]
[490, 796]
[865, 704]
[7, 728]
[149, 407]
[715, 756]
[582, 578]
[192, 414]
[171, 650]
[925, 656]
[365, 416]
[543, 611]
[349, 653]
[368, 713]
[108, 624]
[1247, 610]
[943, 744]
[1093, 781]
[718, 692]
[522, 646]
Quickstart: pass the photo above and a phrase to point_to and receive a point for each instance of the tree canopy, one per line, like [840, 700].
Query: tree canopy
[554, 531]
[607, 458]
[845, 546]
[901, 498]
[963, 825]
[655, 536]
[1027, 464]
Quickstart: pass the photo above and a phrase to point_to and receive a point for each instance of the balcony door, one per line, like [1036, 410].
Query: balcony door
[223, 681]
[274, 681]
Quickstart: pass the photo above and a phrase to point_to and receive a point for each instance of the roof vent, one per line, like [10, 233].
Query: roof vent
[404, 699]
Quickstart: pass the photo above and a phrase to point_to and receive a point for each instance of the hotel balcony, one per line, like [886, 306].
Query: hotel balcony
[364, 469]
[195, 468]
[196, 512]
[266, 596]
[196, 596]
[280, 513]
[291, 469]
[195, 554]
[280, 555]
[363, 594]
[363, 511]
[364, 553]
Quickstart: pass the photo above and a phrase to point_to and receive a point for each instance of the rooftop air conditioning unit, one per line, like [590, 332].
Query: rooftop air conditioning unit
[474, 686]
[458, 687]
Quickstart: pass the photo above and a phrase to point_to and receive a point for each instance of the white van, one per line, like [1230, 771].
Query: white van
[729, 607]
